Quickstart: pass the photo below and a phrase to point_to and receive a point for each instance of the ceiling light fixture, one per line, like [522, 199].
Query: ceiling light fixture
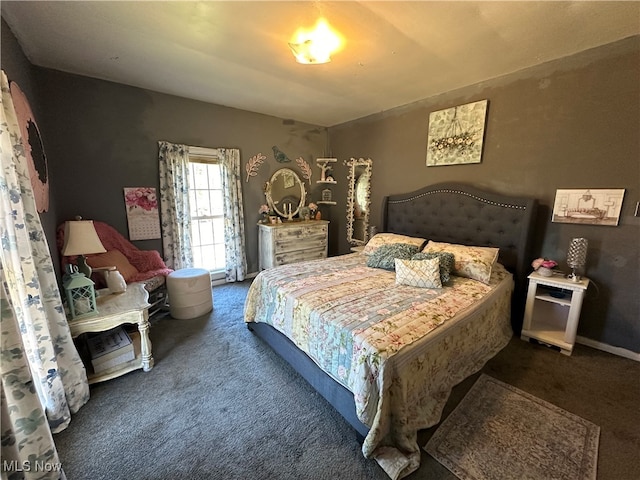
[315, 46]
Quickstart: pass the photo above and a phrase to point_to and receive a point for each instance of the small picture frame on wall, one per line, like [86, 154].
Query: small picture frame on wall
[588, 206]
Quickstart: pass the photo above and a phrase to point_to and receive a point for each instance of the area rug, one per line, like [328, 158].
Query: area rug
[500, 432]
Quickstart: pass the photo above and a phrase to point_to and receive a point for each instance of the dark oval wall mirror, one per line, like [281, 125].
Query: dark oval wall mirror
[358, 200]
[285, 193]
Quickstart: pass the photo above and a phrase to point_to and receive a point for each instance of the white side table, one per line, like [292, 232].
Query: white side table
[552, 310]
[118, 309]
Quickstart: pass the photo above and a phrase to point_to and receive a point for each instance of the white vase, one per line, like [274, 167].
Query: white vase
[545, 272]
[115, 281]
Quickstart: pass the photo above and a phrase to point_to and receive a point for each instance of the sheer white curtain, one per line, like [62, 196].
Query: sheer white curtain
[43, 377]
[174, 205]
[234, 248]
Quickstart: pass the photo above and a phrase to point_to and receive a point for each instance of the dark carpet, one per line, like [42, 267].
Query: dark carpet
[219, 404]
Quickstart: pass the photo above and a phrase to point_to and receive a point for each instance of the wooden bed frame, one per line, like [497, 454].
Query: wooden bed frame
[445, 212]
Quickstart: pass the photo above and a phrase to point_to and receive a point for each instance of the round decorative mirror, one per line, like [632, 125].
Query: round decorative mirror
[285, 193]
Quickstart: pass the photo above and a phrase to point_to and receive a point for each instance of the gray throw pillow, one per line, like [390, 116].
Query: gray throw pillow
[385, 256]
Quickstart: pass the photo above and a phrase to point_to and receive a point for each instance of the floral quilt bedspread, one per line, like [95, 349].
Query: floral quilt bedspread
[382, 341]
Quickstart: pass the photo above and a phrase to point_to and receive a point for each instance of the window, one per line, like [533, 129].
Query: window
[207, 220]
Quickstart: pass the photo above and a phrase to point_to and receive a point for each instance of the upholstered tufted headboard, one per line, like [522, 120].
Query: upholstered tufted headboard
[460, 213]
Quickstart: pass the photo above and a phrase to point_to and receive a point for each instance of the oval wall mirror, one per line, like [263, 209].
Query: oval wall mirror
[358, 200]
[285, 193]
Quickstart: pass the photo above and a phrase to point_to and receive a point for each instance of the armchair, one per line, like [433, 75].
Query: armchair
[135, 265]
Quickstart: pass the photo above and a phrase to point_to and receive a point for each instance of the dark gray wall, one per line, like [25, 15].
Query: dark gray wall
[101, 136]
[571, 123]
[19, 70]
[105, 137]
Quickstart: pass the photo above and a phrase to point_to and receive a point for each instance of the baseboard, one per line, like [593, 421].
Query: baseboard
[222, 281]
[621, 352]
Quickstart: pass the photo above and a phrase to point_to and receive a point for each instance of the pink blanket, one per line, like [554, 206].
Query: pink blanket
[149, 263]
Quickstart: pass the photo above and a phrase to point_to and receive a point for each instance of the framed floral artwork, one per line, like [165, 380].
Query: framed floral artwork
[456, 135]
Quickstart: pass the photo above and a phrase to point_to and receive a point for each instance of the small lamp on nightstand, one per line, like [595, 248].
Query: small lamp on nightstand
[81, 238]
[577, 256]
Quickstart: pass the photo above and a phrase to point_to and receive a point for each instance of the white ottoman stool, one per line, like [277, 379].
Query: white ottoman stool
[190, 294]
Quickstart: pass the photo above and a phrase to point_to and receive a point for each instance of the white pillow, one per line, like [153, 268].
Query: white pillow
[418, 273]
[388, 238]
[469, 261]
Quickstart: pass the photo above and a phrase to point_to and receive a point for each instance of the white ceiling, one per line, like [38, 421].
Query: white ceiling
[235, 53]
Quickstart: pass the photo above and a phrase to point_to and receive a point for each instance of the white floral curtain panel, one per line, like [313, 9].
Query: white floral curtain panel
[174, 205]
[43, 378]
[235, 257]
[175, 209]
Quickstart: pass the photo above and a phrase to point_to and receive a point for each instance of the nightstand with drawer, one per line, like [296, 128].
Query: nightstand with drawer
[291, 242]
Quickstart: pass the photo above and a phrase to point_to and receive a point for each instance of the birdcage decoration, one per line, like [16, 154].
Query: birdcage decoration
[80, 294]
[326, 195]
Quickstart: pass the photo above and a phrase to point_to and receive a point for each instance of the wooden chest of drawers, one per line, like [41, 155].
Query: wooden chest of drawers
[293, 242]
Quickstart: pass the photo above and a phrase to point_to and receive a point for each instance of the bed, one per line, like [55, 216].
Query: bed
[386, 356]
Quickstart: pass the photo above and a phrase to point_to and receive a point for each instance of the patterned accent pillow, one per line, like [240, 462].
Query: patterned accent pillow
[389, 238]
[446, 262]
[418, 273]
[385, 255]
[471, 262]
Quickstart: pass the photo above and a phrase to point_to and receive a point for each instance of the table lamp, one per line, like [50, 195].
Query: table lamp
[577, 256]
[81, 238]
